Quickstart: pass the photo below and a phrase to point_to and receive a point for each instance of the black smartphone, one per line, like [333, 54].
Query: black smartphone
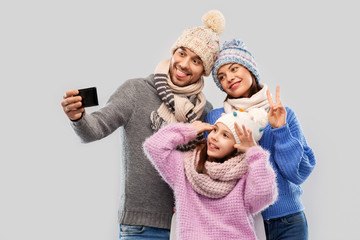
[89, 97]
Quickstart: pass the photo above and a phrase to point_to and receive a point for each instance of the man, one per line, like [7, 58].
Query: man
[141, 106]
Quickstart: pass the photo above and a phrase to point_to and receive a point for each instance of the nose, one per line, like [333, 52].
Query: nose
[230, 77]
[214, 137]
[184, 64]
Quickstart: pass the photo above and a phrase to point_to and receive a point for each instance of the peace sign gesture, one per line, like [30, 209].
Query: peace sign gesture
[277, 113]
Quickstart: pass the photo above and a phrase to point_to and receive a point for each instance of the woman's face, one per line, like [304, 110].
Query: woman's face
[235, 79]
[220, 142]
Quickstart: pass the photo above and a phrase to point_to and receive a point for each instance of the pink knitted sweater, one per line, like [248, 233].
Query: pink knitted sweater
[199, 217]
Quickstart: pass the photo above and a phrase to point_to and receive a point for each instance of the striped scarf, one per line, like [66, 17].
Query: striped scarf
[179, 104]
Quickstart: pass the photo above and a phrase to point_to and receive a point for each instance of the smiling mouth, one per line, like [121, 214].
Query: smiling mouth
[212, 146]
[181, 74]
[235, 84]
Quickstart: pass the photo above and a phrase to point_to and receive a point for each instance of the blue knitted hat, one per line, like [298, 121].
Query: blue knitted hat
[235, 52]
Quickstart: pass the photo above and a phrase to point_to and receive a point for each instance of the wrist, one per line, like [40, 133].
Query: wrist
[274, 126]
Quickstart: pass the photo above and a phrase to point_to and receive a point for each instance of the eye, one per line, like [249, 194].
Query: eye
[220, 78]
[226, 135]
[180, 52]
[234, 69]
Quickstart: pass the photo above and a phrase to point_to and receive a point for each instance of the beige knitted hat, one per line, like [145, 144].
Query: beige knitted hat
[204, 40]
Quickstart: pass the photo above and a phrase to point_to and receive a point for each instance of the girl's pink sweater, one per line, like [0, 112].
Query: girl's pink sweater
[199, 217]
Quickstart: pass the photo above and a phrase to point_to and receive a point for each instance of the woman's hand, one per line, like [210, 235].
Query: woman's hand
[246, 139]
[277, 112]
[201, 126]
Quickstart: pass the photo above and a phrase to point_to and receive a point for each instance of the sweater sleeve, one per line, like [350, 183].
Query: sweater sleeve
[160, 149]
[294, 158]
[260, 187]
[106, 120]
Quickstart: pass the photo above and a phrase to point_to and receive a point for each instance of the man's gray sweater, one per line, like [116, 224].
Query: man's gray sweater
[145, 199]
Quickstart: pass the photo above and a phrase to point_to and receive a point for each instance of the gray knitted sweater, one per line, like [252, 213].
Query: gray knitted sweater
[145, 199]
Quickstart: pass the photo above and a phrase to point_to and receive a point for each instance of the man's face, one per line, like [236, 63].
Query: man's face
[185, 67]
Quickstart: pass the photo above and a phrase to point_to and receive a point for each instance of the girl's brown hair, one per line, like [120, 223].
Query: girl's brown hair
[202, 147]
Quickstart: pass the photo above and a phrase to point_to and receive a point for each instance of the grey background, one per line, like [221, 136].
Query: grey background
[54, 187]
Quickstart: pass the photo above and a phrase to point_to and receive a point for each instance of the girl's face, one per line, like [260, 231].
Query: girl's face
[235, 79]
[220, 142]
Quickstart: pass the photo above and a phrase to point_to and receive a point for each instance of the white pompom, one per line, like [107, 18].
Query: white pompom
[214, 20]
[260, 116]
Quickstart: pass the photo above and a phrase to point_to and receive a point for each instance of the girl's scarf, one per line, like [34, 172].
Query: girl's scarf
[220, 178]
[258, 100]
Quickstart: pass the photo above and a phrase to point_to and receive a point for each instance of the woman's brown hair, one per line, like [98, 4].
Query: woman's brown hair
[255, 86]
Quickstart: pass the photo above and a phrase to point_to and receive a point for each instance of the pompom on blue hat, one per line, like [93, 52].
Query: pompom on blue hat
[235, 51]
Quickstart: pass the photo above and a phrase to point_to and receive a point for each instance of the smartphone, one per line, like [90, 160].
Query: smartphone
[89, 97]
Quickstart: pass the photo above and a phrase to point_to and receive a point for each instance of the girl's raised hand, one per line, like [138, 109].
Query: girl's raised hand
[246, 139]
[201, 126]
[277, 112]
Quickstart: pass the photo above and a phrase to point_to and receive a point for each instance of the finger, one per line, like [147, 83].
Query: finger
[75, 115]
[250, 134]
[268, 94]
[278, 95]
[238, 130]
[239, 147]
[245, 131]
[204, 124]
[70, 100]
[76, 112]
[208, 127]
[270, 113]
[70, 93]
[72, 107]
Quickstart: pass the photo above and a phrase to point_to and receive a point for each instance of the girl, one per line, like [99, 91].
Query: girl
[236, 73]
[221, 183]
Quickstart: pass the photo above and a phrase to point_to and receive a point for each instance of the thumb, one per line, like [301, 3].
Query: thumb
[240, 147]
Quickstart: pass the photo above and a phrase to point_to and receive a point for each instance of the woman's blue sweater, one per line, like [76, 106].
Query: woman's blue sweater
[292, 159]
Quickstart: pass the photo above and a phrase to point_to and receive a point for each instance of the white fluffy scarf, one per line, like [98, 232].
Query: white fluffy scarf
[258, 100]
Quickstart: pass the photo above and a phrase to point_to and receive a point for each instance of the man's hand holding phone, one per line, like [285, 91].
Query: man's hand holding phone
[74, 101]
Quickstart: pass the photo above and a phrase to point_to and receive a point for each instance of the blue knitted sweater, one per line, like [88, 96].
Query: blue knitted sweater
[292, 159]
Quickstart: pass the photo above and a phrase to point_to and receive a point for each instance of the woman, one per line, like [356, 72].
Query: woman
[236, 73]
